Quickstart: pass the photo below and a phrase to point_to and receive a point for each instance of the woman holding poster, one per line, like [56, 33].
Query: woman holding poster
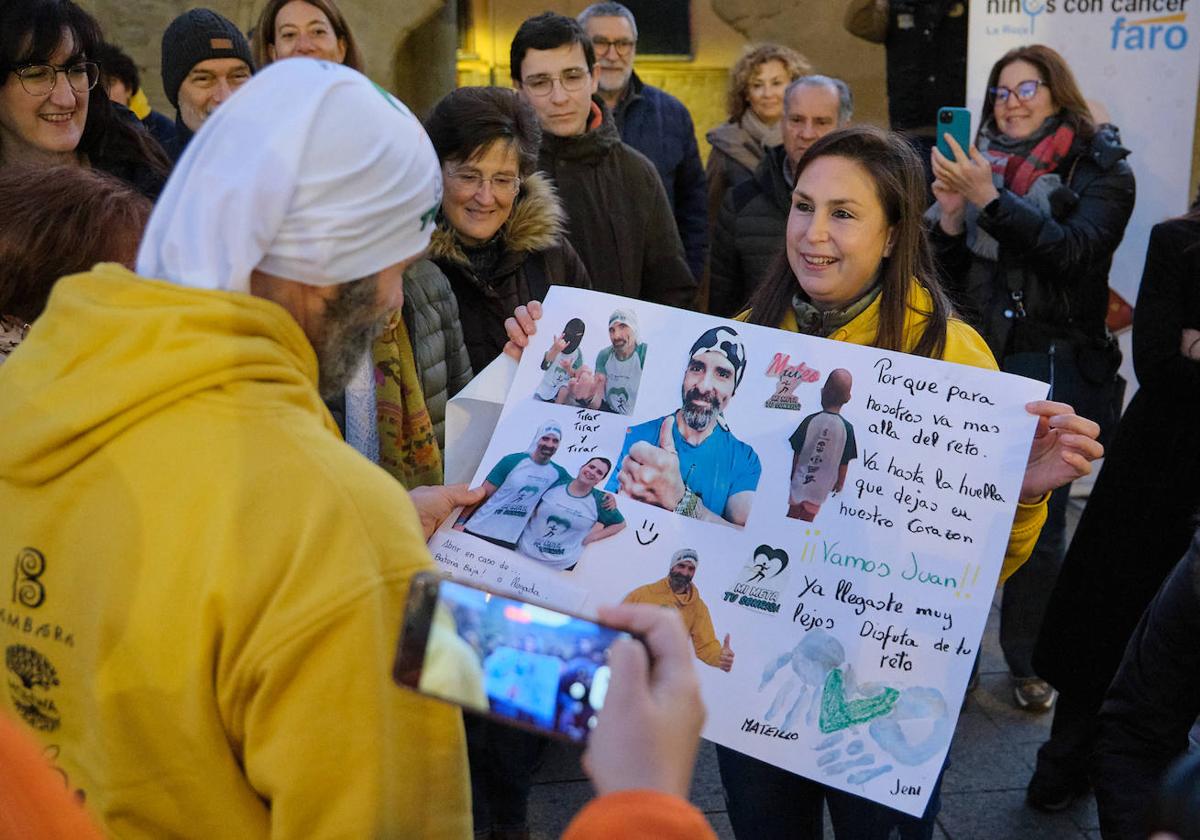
[1025, 226]
[857, 268]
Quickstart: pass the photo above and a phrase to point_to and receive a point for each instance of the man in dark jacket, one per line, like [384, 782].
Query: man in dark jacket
[652, 121]
[750, 229]
[205, 58]
[620, 221]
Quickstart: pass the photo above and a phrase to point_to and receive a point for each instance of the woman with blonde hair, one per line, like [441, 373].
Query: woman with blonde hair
[755, 103]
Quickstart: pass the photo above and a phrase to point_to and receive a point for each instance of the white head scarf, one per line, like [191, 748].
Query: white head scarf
[550, 427]
[311, 173]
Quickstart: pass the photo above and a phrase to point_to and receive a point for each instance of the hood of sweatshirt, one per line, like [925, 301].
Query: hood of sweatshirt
[113, 349]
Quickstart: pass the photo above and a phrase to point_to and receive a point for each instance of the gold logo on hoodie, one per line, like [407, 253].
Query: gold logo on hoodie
[28, 589]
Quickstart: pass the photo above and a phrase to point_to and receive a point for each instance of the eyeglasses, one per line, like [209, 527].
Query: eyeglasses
[40, 79]
[469, 183]
[1025, 91]
[622, 45]
[572, 79]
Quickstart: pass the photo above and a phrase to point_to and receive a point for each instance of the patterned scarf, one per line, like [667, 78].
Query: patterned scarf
[1021, 162]
[1025, 167]
[823, 322]
[408, 448]
[12, 332]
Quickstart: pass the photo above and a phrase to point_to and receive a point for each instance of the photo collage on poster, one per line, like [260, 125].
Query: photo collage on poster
[829, 520]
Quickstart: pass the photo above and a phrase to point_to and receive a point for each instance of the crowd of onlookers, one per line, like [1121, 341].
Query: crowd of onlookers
[207, 580]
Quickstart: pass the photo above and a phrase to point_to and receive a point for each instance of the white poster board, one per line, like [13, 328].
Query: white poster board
[853, 632]
[1140, 59]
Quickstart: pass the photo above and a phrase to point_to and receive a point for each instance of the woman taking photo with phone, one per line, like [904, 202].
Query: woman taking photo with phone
[1024, 229]
[857, 268]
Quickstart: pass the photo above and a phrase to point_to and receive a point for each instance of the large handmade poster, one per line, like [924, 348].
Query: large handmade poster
[830, 521]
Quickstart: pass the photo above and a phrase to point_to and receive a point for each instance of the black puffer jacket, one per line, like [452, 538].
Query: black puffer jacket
[618, 217]
[749, 234]
[533, 256]
[1060, 261]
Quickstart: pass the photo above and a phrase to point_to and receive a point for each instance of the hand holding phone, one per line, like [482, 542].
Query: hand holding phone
[512, 661]
[957, 123]
[649, 731]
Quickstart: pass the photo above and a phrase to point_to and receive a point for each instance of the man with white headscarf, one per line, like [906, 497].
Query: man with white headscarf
[619, 366]
[513, 489]
[689, 461]
[209, 581]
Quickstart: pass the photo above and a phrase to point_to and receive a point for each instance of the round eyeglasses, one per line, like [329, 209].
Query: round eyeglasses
[40, 79]
[1025, 90]
[572, 79]
[621, 45]
[469, 183]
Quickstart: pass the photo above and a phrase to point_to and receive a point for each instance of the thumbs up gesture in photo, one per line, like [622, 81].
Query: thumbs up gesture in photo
[725, 663]
[650, 473]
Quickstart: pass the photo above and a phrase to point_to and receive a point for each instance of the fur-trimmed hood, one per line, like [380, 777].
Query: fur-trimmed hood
[536, 224]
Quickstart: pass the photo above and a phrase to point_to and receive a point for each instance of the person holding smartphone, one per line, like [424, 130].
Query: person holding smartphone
[1024, 228]
[858, 270]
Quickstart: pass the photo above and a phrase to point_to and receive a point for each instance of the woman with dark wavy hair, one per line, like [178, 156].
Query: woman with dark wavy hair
[52, 109]
[857, 268]
[55, 221]
[1025, 226]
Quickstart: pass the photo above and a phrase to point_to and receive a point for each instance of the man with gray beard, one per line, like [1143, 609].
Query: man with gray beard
[689, 461]
[230, 573]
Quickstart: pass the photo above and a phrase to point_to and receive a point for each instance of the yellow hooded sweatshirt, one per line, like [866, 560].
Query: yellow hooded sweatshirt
[206, 582]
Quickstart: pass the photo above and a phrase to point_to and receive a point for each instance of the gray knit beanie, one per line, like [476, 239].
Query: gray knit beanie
[195, 36]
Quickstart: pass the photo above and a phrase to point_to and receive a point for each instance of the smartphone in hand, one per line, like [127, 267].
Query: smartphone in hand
[514, 662]
[957, 123]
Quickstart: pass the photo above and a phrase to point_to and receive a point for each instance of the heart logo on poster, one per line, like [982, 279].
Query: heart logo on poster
[839, 713]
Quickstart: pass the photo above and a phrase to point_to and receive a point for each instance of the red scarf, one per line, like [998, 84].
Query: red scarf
[1020, 171]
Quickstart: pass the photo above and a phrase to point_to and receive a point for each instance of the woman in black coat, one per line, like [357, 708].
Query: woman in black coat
[499, 240]
[1152, 703]
[1138, 520]
[1024, 228]
[499, 236]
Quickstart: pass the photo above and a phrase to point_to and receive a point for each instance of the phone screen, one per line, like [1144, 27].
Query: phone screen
[521, 663]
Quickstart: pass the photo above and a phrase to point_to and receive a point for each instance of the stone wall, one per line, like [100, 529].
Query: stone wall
[383, 29]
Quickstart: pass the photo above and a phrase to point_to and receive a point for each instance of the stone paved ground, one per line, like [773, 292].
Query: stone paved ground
[983, 796]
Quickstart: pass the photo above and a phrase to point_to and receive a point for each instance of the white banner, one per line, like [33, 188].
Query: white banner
[1139, 59]
[857, 507]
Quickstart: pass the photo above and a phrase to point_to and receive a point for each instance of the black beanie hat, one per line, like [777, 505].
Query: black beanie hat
[196, 36]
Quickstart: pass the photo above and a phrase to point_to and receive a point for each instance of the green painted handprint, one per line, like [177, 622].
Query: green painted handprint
[838, 713]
